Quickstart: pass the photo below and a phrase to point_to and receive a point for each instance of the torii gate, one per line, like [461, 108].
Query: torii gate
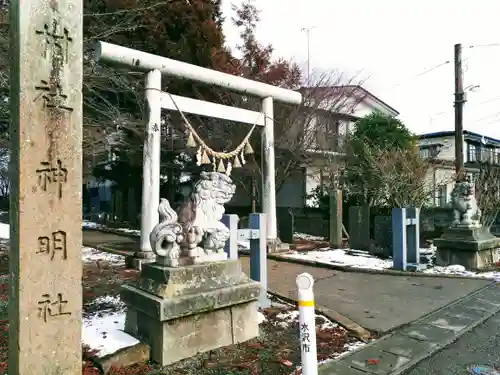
[156, 66]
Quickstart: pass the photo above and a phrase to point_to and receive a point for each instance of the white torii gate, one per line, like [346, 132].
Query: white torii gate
[156, 66]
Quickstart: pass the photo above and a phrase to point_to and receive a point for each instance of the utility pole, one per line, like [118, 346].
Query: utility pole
[459, 109]
[308, 36]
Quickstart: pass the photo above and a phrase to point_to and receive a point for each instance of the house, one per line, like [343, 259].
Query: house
[440, 146]
[352, 102]
[334, 110]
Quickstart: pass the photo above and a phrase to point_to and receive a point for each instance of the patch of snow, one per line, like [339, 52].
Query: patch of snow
[244, 245]
[286, 318]
[327, 323]
[135, 232]
[459, 270]
[431, 250]
[4, 231]
[361, 259]
[261, 317]
[90, 255]
[308, 237]
[92, 225]
[105, 334]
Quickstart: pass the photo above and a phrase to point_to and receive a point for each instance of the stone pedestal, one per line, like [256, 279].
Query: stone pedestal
[139, 258]
[475, 248]
[276, 246]
[187, 310]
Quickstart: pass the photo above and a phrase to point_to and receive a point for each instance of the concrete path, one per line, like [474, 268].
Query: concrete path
[477, 347]
[379, 303]
[407, 347]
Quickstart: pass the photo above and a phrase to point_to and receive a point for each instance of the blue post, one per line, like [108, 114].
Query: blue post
[258, 255]
[231, 247]
[413, 235]
[399, 238]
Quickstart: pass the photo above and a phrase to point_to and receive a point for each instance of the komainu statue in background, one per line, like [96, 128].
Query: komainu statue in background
[194, 234]
[466, 212]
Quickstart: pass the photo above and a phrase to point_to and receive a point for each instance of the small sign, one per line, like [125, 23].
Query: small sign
[483, 370]
[248, 234]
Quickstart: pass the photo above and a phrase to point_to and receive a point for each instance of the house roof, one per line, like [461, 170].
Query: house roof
[355, 91]
[449, 133]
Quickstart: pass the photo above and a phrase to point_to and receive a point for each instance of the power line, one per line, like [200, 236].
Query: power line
[421, 74]
[485, 45]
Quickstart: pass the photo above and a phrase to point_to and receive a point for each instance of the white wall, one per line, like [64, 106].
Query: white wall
[437, 178]
[447, 151]
[367, 106]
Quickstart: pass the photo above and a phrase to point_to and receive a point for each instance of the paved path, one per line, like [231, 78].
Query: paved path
[376, 302]
[396, 353]
[481, 346]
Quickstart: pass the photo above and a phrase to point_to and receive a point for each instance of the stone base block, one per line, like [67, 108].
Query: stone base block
[181, 338]
[137, 263]
[187, 310]
[473, 248]
[471, 260]
[276, 246]
[416, 267]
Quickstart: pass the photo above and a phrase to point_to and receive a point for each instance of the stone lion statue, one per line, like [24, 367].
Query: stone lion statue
[194, 233]
[465, 209]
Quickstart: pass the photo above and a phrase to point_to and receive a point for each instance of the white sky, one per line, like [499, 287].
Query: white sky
[391, 42]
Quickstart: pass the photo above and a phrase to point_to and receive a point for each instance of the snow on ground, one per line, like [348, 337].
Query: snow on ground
[89, 255]
[343, 257]
[288, 317]
[4, 231]
[307, 237]
[104, 333]
[459, 270]
[92, 225]
[363, 259]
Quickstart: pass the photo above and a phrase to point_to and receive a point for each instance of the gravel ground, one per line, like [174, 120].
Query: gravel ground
[275, 352]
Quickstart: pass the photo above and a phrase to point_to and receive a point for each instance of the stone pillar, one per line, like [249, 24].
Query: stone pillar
[258, 255]
[269, 176]
[150, 168]
[151, 161]
[399, 239]
[359, 227]
[336, 219]
[231, 247]
[45, 291]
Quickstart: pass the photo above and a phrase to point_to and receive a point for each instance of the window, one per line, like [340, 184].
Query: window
[472, 152]
[425, 153]
[430, 151]
[472, 177]
[442, 195]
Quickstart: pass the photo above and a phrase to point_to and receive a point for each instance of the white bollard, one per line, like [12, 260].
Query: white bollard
[307, 324]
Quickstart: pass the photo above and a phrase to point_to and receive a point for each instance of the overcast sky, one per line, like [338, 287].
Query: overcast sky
[393, 42]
